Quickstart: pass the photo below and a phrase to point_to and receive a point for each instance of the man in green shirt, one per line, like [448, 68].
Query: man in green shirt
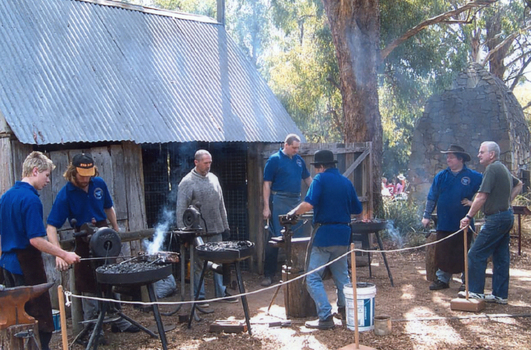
[497, 191]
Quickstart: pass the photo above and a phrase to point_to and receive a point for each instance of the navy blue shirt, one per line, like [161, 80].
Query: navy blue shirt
[448, 190]
[74, 203]
[334, 199]
[285, 173]
[21, 219]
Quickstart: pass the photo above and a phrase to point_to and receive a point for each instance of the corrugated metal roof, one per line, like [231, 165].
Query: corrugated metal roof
[79, 71]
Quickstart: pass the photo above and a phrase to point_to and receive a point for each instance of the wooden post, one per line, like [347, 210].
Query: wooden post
[61, 298]
[431, 264]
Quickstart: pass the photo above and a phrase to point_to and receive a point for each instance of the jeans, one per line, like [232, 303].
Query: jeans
[280, 204]
[314, 282]
[219, 288]
[446, 276]
[493, 239]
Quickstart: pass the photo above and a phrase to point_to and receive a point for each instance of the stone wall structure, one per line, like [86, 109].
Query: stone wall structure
[478, 107]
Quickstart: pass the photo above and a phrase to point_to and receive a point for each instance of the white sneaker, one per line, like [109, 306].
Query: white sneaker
[266, 282]
[490, 298]
[471, 295]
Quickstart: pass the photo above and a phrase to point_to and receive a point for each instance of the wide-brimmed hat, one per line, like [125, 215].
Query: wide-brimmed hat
[323, 156]
[84, 164]
[401, 177]
[458, 150]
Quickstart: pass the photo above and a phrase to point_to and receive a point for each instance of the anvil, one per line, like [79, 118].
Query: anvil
[12, 301]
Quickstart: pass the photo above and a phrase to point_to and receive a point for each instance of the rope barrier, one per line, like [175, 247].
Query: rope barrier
[69, 294]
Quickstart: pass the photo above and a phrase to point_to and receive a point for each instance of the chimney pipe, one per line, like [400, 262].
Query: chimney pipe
[220, 17]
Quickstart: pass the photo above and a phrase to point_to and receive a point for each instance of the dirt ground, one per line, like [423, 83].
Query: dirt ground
[421, 319]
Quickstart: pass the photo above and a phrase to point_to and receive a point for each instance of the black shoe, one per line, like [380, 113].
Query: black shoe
[438, 285]
[327, 323]
[341, 314]
[131, 329]
[229, 300]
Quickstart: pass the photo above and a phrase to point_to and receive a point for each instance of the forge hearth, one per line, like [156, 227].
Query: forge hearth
[132, 272]
[225, 252]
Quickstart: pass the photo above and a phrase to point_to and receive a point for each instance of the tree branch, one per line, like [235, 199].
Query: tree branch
[526, 106]
[434, 20]
[505, 42]
[520, 72]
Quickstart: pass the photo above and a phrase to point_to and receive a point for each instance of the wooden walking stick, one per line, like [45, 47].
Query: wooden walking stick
[62, 316]
[459, 304]
[356, 345]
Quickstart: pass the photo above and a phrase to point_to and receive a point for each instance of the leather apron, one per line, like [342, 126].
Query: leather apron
[32, 266]
[449, 254]
[85, 270]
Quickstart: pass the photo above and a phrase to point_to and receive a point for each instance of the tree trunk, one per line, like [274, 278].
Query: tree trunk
[355, 27]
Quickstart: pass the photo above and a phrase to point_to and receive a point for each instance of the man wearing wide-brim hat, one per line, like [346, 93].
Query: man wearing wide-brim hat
[333, 200]
[451, 192]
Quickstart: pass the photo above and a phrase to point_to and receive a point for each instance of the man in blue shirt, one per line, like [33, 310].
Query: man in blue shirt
[452, 192]
[22, 235]
[85, 198]
[333, 200]
[283, 173]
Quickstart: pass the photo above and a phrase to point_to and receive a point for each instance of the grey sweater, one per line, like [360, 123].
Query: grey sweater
[195, 188]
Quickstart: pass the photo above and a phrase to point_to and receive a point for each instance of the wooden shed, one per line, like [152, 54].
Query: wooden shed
[141, 90]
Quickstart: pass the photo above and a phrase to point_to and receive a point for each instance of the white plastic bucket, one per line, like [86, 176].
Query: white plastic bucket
[365, 295]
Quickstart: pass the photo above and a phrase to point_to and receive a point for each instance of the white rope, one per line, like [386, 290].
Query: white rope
[69, 294]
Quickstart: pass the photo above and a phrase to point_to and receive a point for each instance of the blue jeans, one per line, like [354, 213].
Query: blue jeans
[314, 282]
[219, 288]
[280, 204]
[493, 239]
[446, 276]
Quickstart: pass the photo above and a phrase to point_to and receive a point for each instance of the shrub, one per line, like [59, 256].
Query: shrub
[404, 222]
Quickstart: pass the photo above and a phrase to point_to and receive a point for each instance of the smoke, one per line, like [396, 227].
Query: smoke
[161, 229]
[394, 234]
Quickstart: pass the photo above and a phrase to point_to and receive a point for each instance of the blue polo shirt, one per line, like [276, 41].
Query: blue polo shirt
[285, 173]
[334, 199]
[20, 220]
[448, 190]
[74, 203]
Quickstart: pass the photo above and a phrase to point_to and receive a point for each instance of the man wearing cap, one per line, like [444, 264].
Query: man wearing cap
[333, 200]
[451, 192]
[283, 173]
[498, 189]
[22, 234]
[85, 198]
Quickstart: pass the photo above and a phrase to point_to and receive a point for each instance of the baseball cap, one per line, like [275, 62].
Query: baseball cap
[84, 164]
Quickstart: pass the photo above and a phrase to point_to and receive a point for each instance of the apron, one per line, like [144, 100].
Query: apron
[85, 270]
[449, 254]
[32, 266]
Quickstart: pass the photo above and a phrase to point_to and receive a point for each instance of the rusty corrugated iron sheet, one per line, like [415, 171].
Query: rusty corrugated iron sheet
[84, 71]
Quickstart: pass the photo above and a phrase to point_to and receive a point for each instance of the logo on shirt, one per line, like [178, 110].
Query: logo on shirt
[465, 181]
[98, 193]
[299, 162]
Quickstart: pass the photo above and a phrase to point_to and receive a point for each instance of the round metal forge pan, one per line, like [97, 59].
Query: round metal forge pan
[140, 277]
[225, 252]
[367, 227]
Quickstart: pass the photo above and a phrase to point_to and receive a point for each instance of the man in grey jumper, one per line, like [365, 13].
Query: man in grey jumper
[201, 188]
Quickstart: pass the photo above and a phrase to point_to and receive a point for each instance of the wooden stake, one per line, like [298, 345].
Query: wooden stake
[356, 345]
[354, 295]
[466, 304]
[62, 316]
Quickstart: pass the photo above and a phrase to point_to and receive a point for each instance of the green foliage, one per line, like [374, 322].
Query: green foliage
[523, 199]
[405, 218]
